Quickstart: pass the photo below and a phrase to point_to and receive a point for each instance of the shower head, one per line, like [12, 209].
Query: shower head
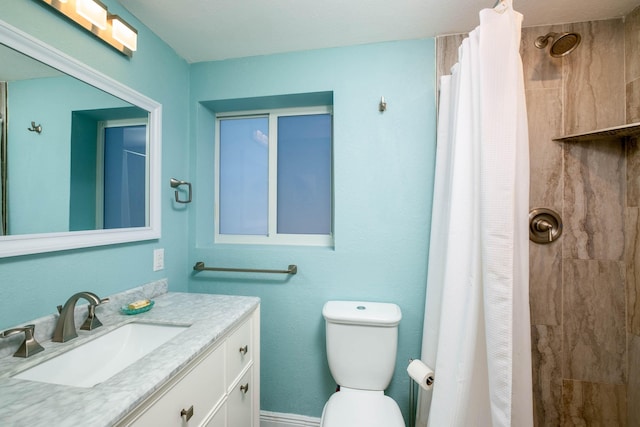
[564, 43]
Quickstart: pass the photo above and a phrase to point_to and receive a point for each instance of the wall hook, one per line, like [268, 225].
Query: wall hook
[175, 184]
[35, 128]
[382, 107]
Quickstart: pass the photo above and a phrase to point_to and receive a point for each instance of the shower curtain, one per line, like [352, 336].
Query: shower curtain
[2, 189]
[3, 156]
[476, 328]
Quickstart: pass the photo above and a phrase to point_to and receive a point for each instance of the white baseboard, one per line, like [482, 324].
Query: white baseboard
[276, 419]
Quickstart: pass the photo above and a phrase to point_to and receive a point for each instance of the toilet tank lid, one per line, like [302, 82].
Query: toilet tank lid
[362, 313]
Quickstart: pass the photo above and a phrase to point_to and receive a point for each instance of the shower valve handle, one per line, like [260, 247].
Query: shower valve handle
[545, 225]
[542, 226]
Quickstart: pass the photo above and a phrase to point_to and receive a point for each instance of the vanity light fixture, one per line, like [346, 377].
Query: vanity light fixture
[93, 16]
[123, 32]
[93, 11]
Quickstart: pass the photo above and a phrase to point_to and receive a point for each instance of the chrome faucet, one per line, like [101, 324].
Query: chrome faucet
[66, 326]
[92, 321]
[29, 346]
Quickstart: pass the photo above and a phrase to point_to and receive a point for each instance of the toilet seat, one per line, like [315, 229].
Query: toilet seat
[361, 409]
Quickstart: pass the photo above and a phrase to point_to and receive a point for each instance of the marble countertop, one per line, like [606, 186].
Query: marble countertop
[42, 404]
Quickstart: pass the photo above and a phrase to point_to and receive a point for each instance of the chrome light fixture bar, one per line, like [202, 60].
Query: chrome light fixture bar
[93, 16]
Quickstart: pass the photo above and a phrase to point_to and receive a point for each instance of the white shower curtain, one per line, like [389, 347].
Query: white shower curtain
[476, 327]
[1, 189]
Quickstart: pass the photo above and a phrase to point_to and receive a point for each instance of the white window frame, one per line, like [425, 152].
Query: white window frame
[272, 237]
[102, 126]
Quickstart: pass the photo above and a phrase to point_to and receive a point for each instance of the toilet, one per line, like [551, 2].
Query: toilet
[362, 342]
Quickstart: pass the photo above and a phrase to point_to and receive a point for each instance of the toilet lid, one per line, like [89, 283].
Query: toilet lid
[361, 409]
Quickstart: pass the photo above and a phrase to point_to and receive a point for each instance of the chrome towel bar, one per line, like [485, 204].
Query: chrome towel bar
[293, 269]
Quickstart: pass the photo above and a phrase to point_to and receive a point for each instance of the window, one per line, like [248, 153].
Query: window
[121, 174]
[273, 171]
[109, 173]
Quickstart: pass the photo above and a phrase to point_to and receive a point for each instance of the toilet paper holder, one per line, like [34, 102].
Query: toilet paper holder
[428, 380]
[425, 382]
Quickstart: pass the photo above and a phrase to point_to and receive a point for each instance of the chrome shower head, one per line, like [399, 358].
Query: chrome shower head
[564, 43]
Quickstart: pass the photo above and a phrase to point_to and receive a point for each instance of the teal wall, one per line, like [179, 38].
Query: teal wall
[47, 102]
[82, 185]
[31, 286]
[383, 170]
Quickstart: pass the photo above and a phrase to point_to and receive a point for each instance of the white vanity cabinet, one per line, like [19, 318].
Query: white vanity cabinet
[221, 387]
[241, 399]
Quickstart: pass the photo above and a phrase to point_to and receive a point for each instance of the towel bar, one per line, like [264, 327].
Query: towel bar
[293, 269]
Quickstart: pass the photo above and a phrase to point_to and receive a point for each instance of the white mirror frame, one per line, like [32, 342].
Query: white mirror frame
[48, 242]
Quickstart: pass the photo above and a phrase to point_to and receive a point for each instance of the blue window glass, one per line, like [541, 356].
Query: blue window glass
[125, 176]
[304, 174]
[244, 176]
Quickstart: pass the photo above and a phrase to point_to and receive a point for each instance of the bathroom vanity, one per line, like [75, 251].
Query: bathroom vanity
[206, 375]
[216, 389]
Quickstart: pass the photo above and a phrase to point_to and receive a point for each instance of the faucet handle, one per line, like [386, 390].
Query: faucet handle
[29, 346]
[92, 321]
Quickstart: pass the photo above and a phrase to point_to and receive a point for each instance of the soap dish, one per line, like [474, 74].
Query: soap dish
[126, 310]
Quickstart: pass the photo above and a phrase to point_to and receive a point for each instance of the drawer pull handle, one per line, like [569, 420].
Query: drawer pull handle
[244, 350]
[186, 414]
[244, 388]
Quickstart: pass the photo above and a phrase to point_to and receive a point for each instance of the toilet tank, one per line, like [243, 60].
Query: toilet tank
[362, 342]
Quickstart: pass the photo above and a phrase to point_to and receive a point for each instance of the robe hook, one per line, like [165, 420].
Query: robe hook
[35, 128]
[382, 106]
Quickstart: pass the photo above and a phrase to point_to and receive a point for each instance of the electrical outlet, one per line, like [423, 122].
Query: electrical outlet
[158, 259]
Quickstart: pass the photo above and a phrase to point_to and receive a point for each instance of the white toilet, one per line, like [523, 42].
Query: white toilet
[362, 341]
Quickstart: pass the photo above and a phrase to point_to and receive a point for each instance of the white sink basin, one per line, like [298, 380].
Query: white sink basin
[100, 359]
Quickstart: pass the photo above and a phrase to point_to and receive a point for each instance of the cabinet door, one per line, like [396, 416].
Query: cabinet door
[219, 419]
[240, 402]
[201, 389]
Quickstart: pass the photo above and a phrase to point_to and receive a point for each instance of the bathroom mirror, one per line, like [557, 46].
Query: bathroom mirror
[81, 153]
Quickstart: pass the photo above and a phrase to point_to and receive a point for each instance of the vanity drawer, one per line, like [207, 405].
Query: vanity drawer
[219, 419]
[239, 351]
[240, 402]
[201, 388]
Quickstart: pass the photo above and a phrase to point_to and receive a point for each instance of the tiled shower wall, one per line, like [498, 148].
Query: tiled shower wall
[584, 288]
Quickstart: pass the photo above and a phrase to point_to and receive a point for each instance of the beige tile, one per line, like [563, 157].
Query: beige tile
[541, 70]
[593, 405]
[593, 215]
[633, 173]
[633, 100]
[633, 388]
[593, 330]
[632, 258]
[632, 45]
[594, 77]
[545, 283]
[544, 111]
[546, 347]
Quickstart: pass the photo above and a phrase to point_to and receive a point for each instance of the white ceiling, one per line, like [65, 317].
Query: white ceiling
[206, 30]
